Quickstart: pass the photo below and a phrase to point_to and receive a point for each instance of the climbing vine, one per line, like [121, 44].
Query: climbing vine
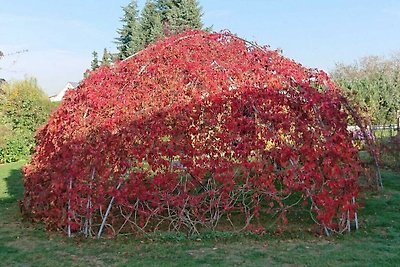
[197, 128]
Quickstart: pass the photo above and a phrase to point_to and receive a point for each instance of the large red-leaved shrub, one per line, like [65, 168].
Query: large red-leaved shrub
[197, 128]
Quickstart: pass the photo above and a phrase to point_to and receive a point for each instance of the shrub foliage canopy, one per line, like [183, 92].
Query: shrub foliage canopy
[23, 108]
[197, 128]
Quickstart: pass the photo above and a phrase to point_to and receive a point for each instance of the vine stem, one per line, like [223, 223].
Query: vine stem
[370, 143]
[88, 220]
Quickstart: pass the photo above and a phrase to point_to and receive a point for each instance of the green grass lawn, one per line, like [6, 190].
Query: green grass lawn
[377, 243]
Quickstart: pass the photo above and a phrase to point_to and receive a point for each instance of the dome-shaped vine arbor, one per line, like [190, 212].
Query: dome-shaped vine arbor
[196, 129]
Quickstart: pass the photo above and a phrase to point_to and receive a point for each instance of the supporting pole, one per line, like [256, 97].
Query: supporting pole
[348, 222]
[326, 231]
[355, 214]
[106, 215]
[69, 208]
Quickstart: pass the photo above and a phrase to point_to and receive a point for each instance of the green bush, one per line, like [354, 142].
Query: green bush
[18, 146]
[23, 108]
[374, 84]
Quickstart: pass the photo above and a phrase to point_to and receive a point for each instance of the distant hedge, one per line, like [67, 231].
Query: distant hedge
[23, 108]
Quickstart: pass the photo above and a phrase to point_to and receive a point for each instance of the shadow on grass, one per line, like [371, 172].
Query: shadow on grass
[12, 176]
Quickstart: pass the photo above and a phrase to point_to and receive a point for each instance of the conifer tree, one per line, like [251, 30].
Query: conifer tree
[129, 39]
[150, 23]
[95, 61]
[158, 18]
[107, 58]
[178, 15]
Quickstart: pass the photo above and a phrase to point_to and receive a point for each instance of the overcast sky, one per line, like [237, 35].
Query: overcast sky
[61, 35]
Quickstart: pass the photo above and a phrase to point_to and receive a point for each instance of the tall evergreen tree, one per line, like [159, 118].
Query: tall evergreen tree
[158, 18]
[107, 58]
[129, 39]
[178, 15]
[150, 23]
[162, 7]
[95, 61]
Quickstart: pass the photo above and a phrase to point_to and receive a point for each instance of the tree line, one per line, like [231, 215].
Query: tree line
[157, 19]
[373, 83]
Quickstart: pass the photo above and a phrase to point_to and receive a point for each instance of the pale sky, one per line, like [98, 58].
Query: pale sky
[61, 35]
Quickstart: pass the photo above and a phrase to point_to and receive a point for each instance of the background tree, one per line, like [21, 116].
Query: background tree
[150, 23]
[23, 108]
[158, 18]
[129, 39]
[374, 83]
[106, 58]
[178, 15]
[95, 61]
[183, 14]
